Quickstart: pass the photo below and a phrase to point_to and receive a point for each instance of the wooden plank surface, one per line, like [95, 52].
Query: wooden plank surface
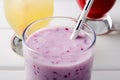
[96, 75]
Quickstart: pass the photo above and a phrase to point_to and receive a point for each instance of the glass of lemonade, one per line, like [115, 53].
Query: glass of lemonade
[50, 54]
[20, 13]
[98, 16]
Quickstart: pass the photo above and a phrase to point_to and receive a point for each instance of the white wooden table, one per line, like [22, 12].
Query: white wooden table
[107, 57]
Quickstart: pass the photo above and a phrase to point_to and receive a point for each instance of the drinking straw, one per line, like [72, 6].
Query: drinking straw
[82, 18]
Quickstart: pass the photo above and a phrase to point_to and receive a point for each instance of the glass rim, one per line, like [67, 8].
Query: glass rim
[56, 17]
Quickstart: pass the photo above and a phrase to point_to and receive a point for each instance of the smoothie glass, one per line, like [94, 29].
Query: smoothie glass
[98, 16]
[50, 54]
[20, 13]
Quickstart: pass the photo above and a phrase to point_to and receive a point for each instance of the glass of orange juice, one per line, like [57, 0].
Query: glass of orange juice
[20, 13]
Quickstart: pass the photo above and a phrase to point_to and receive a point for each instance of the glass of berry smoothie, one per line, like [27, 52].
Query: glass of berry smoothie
[50, 54]
[98, 16]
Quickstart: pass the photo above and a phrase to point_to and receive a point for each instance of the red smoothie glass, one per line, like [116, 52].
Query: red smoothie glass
[98, 16]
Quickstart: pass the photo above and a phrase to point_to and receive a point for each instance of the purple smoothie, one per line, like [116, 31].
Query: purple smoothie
[56, 57]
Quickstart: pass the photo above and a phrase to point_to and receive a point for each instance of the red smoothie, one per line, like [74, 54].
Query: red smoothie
[99, 7]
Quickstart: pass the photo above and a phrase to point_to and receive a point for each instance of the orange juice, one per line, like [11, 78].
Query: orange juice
[20, 13]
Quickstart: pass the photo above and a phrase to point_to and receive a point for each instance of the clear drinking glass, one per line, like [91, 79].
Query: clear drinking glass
[20, 13]
[98, 16]
[50, 54]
